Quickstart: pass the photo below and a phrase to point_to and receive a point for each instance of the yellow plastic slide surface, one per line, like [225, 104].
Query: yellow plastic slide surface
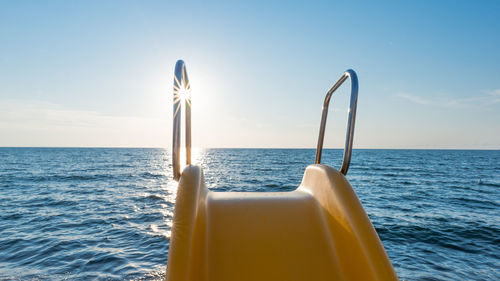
[317, 232]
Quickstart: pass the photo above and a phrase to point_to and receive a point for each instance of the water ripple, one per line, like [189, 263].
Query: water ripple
[78, 214]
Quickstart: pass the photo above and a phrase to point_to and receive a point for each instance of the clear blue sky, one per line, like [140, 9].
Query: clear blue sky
[99, 73]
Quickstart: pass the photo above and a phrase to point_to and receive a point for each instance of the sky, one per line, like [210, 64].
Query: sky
[100, 73]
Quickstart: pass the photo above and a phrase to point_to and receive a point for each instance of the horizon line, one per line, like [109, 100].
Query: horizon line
[297, 148]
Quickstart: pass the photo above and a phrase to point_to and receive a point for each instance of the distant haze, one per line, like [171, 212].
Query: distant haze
[100, 73]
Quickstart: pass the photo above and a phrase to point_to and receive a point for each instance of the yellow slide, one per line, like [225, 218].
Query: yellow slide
[317, 232]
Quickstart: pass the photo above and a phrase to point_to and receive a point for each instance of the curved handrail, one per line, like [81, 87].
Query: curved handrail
[181, 92]
[350, 119]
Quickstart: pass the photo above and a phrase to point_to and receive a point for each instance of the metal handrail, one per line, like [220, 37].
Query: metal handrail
[350, 119]
[181, 92]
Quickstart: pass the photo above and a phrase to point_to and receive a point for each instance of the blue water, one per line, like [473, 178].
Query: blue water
[84, 213]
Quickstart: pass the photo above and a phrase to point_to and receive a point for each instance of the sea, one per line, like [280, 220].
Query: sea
[106, 213]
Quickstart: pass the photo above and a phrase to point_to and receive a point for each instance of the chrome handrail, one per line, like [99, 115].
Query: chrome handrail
[181, 92]
[350, 119]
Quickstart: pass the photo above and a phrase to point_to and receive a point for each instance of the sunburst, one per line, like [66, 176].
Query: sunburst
[182, 93]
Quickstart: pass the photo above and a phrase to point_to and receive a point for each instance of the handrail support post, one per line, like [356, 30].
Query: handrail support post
[350, 119]
[182, 93]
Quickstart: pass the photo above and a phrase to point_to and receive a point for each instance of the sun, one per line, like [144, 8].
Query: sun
[184, 94]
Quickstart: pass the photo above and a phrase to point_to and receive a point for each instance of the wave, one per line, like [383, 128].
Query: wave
[149, 175]
[65, 178]
[493, 184]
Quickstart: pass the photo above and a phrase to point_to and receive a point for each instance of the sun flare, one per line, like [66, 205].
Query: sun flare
[184, 95]
[182, 91]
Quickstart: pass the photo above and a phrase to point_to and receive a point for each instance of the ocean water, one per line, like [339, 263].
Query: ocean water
[99, 213]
